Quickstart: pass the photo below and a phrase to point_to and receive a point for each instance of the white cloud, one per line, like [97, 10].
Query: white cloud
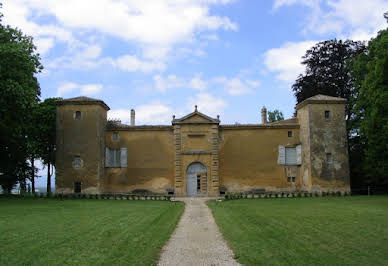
[170, 82]
[154, 113]
[154, 25]
[237, 86]
[66, 88]
[359, 20]
[90, 89]
[198, 83]
[207, 104]
[286, 60]
[86, 89]
[132, 63]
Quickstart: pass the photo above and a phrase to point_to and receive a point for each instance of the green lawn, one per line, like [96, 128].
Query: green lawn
[84, 232]
[306, 231]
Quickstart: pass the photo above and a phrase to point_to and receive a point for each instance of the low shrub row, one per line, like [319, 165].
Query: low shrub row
[110, 196]
[284, 194]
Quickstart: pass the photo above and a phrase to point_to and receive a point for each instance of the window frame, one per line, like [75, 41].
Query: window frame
[327, 114]
[76, 116]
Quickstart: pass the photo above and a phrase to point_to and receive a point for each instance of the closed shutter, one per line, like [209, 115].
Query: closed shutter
[290, 156]
[123, 157]
[107, 157]
[298, 154]
[282, 155]
[116, 156]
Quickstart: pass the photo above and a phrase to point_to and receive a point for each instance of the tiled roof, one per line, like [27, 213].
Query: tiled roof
[83, 100]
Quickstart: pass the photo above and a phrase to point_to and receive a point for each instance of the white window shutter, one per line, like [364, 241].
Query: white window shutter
[107, 157]
[299, 154]
[123, 157]
[282, 155]
[290, 156]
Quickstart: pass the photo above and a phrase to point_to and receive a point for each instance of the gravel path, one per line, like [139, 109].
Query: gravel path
[197, 240]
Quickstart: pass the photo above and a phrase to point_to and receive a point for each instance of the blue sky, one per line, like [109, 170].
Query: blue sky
[161, 57]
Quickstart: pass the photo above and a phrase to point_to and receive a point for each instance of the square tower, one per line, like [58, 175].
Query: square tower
[81, 124]
[325, 163]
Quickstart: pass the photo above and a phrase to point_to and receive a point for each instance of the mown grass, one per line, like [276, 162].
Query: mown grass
[306, 231]
[84, 232]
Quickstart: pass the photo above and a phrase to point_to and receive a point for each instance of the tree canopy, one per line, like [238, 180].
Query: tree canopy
[275, 115]
[328, 72]
[19, 93]
[370, 70]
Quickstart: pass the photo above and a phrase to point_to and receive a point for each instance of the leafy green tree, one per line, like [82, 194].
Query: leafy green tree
[19, 93]
[275, 115]
[328, 72]
[46, 137]
[371, 72]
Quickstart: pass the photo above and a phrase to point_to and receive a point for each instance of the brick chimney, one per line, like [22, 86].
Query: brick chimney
[264, 115]
[132, 117]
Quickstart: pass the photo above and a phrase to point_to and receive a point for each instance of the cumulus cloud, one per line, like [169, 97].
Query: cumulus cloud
[233, 85]
[345, 18]
[286, 60]
[153, 24]
[237, 86]
[154, 113]
[85, 89]
[170, 82]
[207, 104]
[132, 63]
[198, 83]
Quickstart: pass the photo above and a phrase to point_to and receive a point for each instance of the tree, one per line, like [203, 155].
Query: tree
[275, 115]
[19, 93]
[328, 72]
[46, 137]
[371, 72]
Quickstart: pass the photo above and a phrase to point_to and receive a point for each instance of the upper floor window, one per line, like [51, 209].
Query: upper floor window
[290, 155]
[77, 163]
[116, 157]
[115, 136]
[290, 134]
[329, 158]
[327, 114]
[77, 115]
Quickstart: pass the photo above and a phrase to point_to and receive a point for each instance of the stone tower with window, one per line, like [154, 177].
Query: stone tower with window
[81, 124]
[324, 143]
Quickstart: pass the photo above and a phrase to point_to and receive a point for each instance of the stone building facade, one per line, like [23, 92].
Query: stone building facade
[197, 155]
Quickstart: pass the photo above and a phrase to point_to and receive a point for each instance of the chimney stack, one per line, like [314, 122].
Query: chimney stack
[132, 117]
[264, 115]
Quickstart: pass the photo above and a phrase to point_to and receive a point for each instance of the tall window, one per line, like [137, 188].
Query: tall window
[329, 158]
[116, 157]
[77, 187]
[77, 162]
[327, 114]
[290, 155]
[198, 182]
[115, 136]
[77, 115]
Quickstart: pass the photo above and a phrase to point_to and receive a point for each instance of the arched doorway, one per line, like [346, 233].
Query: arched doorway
[196, 179]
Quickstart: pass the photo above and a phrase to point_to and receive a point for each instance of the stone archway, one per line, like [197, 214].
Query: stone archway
[196, 179]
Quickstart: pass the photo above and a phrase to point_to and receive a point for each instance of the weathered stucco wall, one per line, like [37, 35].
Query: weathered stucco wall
[249, 158]
[83, 138]
[150, 160]
[326, 136]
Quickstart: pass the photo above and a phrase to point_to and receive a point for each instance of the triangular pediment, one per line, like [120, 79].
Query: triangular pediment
[196, 117]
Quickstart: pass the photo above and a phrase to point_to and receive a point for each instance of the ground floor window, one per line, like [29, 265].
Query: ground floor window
[77, 187]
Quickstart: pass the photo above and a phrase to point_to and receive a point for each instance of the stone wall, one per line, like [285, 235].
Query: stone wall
[150, 160]
[83, 138]
[249, 158]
